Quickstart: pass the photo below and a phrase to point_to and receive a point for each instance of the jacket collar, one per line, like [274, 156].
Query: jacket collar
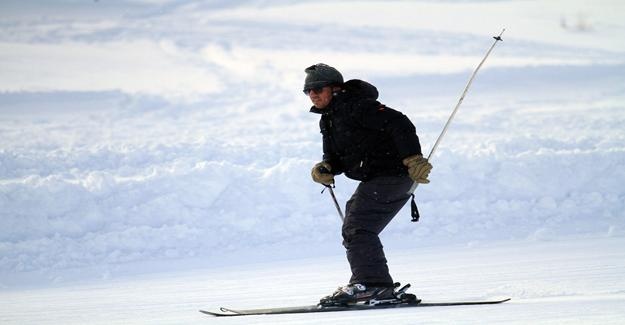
[316, 110]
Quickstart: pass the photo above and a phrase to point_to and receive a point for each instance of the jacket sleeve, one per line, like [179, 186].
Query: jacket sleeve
[329, 153]
[371, 114]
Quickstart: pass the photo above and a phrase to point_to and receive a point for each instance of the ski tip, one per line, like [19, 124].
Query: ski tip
[216, 314]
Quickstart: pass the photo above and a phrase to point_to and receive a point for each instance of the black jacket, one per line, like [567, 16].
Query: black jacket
[362, 137]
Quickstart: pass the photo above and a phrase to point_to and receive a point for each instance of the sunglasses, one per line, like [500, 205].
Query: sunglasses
[317, 91]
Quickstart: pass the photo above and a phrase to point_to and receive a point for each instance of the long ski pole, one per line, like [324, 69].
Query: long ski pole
[415, 213]
[453, 113]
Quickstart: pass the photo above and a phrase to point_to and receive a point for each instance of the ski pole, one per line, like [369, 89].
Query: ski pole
[453, 113]
[336, 203]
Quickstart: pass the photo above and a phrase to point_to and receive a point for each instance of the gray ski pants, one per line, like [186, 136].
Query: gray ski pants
[372, 206]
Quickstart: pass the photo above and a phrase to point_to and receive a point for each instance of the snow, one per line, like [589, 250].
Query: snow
[155, 158]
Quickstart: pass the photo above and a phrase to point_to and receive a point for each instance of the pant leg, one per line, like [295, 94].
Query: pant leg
[372, 206]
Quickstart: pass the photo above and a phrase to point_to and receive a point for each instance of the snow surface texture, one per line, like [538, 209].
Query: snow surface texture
[149, 136]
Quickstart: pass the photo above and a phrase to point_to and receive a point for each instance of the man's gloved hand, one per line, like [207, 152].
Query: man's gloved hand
[322, 173]
[418, 168]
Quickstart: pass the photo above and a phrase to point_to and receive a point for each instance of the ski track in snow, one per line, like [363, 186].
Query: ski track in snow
[141, 139]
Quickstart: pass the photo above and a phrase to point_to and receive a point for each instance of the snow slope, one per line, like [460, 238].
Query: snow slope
[141, 139]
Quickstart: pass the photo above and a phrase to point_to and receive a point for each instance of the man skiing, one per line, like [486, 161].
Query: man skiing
[377, 146]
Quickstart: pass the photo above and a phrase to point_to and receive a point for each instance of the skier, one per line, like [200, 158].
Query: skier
[378, 146]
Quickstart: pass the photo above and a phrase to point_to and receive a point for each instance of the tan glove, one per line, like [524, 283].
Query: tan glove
[418, 168]
[322, 173]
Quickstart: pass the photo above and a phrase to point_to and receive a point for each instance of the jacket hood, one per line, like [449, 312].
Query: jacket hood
[360, 88]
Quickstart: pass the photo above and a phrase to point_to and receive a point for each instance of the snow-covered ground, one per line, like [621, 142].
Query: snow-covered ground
[155, 158]
[573, 281]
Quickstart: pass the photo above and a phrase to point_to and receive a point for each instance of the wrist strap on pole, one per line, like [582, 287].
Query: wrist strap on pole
[414, 212]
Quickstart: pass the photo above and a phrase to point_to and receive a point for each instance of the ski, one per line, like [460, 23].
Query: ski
[318, 309]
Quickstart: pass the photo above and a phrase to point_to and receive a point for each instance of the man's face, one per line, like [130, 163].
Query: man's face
[320, 97]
